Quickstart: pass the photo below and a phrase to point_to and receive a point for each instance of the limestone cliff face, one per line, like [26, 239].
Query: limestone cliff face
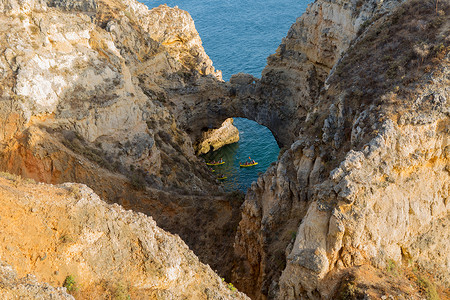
[326, 29]
[366, 178]
[294, 75]
[214, 139]
[84, 97]
[68, 230]
[100, 80]
[63, 67]
[175, 29]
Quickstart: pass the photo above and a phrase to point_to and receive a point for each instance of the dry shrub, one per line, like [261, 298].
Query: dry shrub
[396, 51]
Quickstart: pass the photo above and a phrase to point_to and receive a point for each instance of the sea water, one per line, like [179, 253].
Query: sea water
[239, 35]
[257, 143]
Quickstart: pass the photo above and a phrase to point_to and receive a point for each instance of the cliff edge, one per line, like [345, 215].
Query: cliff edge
[67, 230]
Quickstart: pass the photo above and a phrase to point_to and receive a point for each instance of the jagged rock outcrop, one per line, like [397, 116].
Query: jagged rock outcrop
[295, 74]
[214, 139]
[68, 70]
[366, 176]
[68, 230]
[175, 29]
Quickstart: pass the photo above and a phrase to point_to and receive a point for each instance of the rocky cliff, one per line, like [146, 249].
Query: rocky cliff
[68, 230]
[91, 76]
[114, 95]
[86, 96]
[366, 178]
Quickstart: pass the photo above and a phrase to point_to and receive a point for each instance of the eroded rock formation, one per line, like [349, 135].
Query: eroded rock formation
[366, 177]
[214, 139]
[282, 99]
[68, 230]
[84, 97]
[71, 74]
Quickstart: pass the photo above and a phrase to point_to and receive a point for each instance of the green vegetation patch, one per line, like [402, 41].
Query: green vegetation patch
[70, 284]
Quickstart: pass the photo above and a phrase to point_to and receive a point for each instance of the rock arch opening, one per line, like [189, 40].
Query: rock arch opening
[256, 142]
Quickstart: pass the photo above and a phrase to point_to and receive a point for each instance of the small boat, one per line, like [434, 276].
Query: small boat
[213, 163]
[223, 177]
[245, 165]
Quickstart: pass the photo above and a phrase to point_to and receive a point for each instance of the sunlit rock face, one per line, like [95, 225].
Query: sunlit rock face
[86, 95]
[106, 249]
[365, 174]
[114, 95]
[100, 78]
[214, 139]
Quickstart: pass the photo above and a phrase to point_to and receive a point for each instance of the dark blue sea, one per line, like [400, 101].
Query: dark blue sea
[239, 35]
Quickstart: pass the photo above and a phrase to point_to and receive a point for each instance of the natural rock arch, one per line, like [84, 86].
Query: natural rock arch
[211, 102]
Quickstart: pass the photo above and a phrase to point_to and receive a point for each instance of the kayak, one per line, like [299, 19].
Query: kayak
[222, 178]
[215, 164]
[248, 165]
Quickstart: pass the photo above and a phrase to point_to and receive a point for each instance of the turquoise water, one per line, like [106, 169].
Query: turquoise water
[239, 35]
[255, 141]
